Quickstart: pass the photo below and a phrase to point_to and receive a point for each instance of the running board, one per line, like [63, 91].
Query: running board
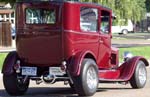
[109, 74]
[111, 80]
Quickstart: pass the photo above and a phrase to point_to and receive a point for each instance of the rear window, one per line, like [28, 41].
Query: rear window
[40, 16]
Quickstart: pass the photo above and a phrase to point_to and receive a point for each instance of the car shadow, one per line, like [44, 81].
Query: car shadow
[104, 89]
[45, 92]
[54, 92]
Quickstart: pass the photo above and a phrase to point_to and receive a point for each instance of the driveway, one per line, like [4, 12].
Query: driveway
[104, 90]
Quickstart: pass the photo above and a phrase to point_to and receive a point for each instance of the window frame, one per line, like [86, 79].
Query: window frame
[109, 22]
[97, 19]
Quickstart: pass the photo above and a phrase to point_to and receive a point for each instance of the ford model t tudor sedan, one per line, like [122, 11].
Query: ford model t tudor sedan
[67, 41]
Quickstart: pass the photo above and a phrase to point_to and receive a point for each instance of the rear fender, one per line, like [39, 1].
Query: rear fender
[9, 62]
[75, 62]
[127, 69]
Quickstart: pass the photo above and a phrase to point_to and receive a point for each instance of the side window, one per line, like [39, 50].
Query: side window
[88, 19]
[105, 25]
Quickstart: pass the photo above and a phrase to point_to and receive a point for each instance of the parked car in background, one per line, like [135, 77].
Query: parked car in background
[13, 31]
[125, 29]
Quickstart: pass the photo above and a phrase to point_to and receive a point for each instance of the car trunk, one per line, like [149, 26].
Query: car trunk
[39, 33]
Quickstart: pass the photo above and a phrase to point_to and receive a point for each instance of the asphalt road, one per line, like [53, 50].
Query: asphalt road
[104, 90]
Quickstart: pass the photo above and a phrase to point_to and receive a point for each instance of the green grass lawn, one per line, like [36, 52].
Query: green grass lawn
[2, 57]
[136, 51]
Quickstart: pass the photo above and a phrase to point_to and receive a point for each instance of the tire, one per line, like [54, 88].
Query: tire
[124, 31]
[86, 83]
[139, 77]
[14, 86]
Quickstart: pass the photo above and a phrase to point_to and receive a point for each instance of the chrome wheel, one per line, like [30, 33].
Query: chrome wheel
[91, 78]
[86, 83]
[139, 77]
[142, 75]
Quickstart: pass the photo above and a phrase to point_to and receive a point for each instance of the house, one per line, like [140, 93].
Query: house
[6, 13]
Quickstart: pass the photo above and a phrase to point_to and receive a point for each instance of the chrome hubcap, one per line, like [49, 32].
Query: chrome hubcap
[142, 75]
[91, 78]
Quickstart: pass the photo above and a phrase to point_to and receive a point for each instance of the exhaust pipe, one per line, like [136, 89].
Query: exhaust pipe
[53, 78]
[49, 78]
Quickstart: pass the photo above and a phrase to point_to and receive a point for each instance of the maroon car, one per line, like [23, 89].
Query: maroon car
[70, 41]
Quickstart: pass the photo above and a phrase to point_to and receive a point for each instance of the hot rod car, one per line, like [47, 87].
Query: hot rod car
[70, 41]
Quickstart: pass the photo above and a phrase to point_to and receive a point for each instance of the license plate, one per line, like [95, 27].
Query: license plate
[30, 71]
[56, 71]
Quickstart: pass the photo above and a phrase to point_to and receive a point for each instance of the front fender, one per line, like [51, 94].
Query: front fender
[9, 63]
[127, 69]
[76, 62]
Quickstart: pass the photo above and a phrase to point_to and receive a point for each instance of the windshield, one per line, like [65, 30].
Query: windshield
[40, 16]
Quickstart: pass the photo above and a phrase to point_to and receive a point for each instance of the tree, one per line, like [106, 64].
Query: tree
[124, 9]
[8, 1]
[147, 3]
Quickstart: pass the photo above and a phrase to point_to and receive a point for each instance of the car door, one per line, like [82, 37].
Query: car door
[104, 39]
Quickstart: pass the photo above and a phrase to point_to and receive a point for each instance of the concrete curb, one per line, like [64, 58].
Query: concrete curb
[7, 50]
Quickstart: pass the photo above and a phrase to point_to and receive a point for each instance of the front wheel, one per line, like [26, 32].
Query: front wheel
[139, 78]
[86, 83]
[15, 86]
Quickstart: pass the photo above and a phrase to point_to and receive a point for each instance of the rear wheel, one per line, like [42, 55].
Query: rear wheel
[124, 31]
[87, 82]
[15, 86]
[139, 78]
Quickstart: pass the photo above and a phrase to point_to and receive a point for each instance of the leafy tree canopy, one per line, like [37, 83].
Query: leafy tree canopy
[147, 2]
[124, 9]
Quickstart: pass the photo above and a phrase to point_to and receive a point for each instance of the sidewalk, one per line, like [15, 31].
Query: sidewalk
[6, 49]
[125, 43]
[131, 40]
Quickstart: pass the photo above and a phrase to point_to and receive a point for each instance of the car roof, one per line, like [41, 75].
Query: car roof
[63, 1]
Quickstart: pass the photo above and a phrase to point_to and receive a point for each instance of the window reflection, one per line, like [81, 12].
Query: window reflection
[40, 16]
[88, 19]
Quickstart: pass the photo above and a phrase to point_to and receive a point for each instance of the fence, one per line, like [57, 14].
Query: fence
[5, 34]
